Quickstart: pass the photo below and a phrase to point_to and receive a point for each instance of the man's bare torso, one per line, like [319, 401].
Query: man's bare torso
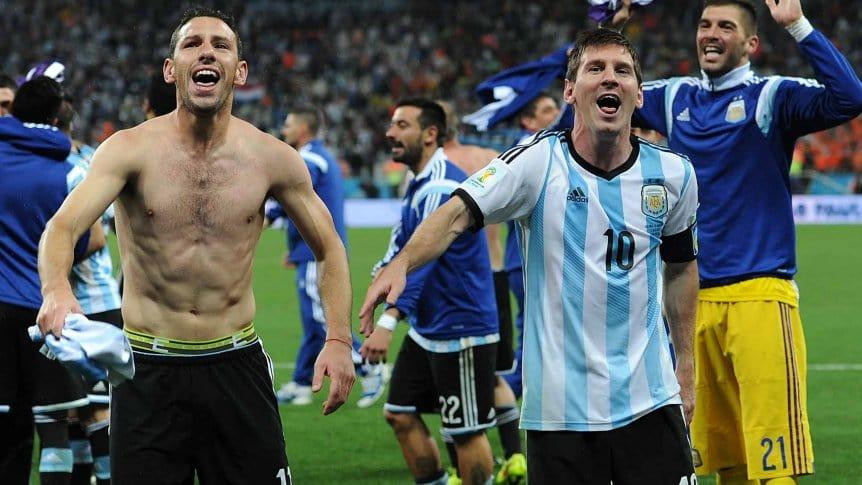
[188, 223]
[469, 158]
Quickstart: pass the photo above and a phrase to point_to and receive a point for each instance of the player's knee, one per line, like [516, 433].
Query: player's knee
[400, 422]
[467, 439]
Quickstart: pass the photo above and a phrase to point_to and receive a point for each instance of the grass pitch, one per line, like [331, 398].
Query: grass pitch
[356, 446]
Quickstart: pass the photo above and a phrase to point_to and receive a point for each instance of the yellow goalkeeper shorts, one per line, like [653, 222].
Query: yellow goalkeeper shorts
[750, 381]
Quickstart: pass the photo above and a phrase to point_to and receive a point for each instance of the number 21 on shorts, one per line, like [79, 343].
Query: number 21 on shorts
[768, 447]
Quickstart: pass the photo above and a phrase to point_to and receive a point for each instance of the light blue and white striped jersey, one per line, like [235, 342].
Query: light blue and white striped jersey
[92, 279]
[596, 354]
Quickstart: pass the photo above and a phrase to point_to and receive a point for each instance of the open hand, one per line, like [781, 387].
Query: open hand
[387, 286]
[785, 12]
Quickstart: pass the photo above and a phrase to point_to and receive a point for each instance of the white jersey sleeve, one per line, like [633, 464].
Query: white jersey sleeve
[683, 215]
[508, 187]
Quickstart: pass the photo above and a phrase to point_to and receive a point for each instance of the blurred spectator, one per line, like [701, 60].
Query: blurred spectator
[8, 86]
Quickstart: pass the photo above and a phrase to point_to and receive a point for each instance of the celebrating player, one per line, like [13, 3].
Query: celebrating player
[739, 130]
[599, 210]
[190, 189]
[446, 363]
[36, 180]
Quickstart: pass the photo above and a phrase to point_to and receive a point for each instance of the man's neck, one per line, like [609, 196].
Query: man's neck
[604, 151]
[451, 144]
[302, 141]
[427, 153]
[204, 132]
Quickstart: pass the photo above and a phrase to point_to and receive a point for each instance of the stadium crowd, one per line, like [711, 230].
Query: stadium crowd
[355, 63]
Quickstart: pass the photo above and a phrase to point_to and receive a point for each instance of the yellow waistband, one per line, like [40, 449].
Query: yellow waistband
[161, 345]
[755, 289]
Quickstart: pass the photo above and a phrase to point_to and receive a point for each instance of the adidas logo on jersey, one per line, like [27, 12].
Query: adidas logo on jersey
[577, 195]
[683, 116]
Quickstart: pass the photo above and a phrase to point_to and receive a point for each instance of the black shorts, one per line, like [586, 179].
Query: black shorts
[98, 393]
[457, 385]
[214, 415]
[28, 378]
[505, 348]
[654, 449]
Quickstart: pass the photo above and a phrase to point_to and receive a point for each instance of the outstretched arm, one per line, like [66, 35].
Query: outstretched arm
[428, 242]
[112, 164]
[291, 185]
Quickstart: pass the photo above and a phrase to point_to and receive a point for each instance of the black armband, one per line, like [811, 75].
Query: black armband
[680, 247]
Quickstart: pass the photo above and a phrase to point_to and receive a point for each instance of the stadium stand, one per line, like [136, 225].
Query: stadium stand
[354, 63]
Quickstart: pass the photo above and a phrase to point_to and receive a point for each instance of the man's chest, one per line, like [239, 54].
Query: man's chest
[211, 195]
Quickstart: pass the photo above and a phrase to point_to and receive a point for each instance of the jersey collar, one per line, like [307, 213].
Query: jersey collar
[436, 158]
[730, 80]
[589, 167]
[308, 145]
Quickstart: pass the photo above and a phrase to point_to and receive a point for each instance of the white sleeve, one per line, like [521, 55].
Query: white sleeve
[683, 215]
[508, 187]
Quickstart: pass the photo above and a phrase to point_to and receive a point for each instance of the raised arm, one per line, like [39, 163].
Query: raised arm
[291, 186]
[112, 165]
[804, 106]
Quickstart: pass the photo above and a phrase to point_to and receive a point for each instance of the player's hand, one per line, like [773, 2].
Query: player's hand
[287, 263]
[685, 376]
[376, 346]
[785, 12]
[387, 286]
[55, 306]
[623, 15]
[334, 361]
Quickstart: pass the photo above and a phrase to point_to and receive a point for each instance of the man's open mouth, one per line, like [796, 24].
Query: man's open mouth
[609, 103]
[206, 77]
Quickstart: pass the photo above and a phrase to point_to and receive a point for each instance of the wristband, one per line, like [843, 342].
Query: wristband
[387, 321]
[350, 345]
[800, 29]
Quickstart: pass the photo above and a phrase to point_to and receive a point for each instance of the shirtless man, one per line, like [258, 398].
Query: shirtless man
[190, 188]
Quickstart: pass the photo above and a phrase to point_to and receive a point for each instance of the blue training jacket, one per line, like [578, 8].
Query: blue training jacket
[35, 178]
[739, 131]
[452, 297]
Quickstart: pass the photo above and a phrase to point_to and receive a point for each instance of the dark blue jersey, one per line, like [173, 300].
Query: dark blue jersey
[449, 302]
[739, 131]
[35, 178]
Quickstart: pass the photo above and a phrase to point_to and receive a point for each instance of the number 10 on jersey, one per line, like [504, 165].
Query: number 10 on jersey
[621, 248]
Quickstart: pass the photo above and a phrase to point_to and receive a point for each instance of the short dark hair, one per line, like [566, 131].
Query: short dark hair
[598, 38]
[161, 96]
[199, 11]
[746, 6]
[65, 115]
[529, 109]
[7, 81]
[38, 100]
[310, 116]
[430, 114]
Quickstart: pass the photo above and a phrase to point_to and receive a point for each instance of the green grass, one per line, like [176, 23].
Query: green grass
[356, 446]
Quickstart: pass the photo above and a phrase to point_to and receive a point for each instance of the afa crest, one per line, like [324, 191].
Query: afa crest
[654, 200]
[735, 111]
